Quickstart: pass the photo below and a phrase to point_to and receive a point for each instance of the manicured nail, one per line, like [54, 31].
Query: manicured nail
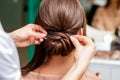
[43, 35]
[72, 38]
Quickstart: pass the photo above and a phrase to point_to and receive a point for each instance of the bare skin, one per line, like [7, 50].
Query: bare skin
[28, 35]
[107, 19]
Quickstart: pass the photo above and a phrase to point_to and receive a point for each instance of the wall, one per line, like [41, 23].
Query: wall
[13, 16]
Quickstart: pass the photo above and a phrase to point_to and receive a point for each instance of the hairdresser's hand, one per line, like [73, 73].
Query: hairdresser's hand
[28, 35]
[85, 49]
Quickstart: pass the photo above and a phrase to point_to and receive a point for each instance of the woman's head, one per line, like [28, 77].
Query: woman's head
[60, 18]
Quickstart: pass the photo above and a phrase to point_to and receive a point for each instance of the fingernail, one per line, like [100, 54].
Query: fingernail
[72, 38]
[43, 35]
[41, 40]
[46, 33]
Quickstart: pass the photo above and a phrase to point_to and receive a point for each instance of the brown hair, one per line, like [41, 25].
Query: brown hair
[109, 2]
[60, 18]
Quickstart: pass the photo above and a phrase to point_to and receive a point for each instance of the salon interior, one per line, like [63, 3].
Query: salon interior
[103, 27]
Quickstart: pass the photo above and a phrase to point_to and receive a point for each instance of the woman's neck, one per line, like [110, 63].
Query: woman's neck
[57, 65]
[65, 62]
[62, 60]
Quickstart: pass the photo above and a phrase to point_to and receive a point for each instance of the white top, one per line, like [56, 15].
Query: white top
[9, 60]
[100, 2]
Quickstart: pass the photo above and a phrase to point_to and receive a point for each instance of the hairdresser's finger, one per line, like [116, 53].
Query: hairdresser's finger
[31, 40]
[38, 28]
[41, 40]
[37, 35]
[37, 42]
[84, 39]
[75, 42]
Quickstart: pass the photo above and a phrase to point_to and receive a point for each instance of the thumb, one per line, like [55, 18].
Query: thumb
[75, 42]
[37, 34]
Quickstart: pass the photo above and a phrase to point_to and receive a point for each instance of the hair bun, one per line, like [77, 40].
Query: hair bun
[58, 43]
[57, 35]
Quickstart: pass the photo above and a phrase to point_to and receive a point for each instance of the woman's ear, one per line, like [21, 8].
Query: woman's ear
[81, 32]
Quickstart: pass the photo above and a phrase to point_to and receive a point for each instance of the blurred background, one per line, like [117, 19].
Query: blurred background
[103, 26]
[15, 14]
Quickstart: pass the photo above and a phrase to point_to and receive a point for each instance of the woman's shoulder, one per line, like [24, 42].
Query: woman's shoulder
[39, 76]
[31, 76]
